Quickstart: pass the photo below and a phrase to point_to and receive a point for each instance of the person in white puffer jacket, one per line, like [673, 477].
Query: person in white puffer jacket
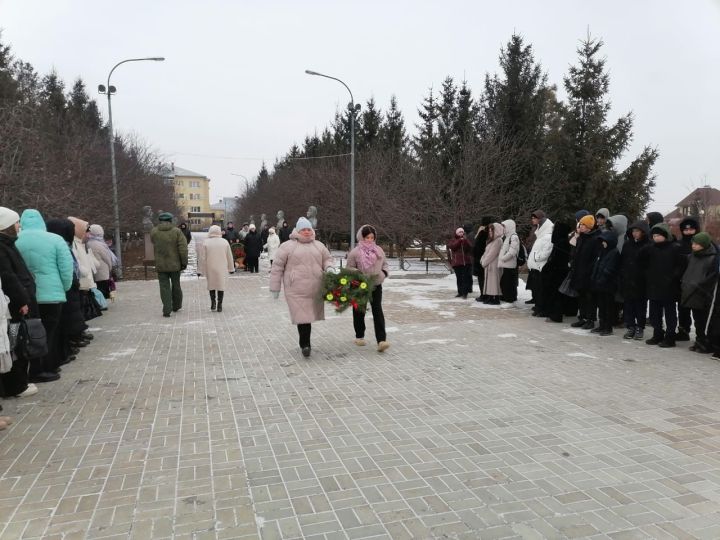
[539, 255]
[508, 261]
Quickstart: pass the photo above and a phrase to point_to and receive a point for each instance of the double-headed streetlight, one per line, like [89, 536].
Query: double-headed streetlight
[110, 90]
[353, 109]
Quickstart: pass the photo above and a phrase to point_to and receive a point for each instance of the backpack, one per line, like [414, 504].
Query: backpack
[522, 253]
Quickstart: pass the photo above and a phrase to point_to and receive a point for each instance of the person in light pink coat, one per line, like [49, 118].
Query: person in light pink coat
[489, 261]
[215, 262]
[298, 267]
[369, 258]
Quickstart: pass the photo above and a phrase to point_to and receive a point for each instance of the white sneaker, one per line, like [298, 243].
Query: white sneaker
[31, 390]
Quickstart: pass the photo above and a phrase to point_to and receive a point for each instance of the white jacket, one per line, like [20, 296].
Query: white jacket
[510, 246]
[272, 245]
[542, 247]
[86, 263]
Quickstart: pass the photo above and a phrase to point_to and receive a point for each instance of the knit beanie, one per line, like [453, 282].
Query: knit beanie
[96, 230]
[538, 214]
[8, 218]
[165, 216]
[703, 239]
[459, 231]
[303, 223]
[271, 230]
[581, 214]
[252, 227]
[588, 221]
[663, 229]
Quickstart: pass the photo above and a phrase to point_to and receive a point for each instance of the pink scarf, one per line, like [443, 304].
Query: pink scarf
[369, 253]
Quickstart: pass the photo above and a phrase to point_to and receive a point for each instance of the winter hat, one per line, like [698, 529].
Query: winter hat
[663, 229]
[165, 216]
[538, 214]
[303, 223]
[214, 231]
[8, 218]
[459, 231]
[96, 230]
[252, 227]
[271, 230]
[604, 212]
[81, 226]
[581, 214]
[703, 239]
[690, 223]
[588, 221]
[653, 218]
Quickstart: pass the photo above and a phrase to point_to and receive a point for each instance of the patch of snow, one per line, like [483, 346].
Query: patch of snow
[507, 335]
[533, 341]
[424, 303]
[438, 341]
[95, 329]
[126, 352]
[446, 313]
[577, 332]
[392, 329]
[580, 355]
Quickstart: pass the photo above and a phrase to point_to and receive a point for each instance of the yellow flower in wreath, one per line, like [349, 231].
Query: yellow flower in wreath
[363, 285]
[329, 296]
[343, 281]
[343, 299]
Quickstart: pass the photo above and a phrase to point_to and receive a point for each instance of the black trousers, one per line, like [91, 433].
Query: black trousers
[251, 264]
[304, 334]
[684, 319]
[635, 313]
[668, 308]
[50, 315]
[463, 276]
[587, 305]
[378, 317]
[509, 284]
[606, 309]
[700, 316]
[15, 381]
[104, 287]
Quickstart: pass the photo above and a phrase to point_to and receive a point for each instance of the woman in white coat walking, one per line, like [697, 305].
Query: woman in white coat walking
[272, 244]
[215, 262]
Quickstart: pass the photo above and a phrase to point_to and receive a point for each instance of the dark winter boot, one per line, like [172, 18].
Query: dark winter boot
[700, 346]
[213, 305]
[630, 333]
[221, 294]
[589, 325]
[669, 341]
[657, 338]
[579, 323]
[682, 335]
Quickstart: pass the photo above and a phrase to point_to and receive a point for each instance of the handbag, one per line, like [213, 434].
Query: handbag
[100, 299]
[28, 338]
[566, 289]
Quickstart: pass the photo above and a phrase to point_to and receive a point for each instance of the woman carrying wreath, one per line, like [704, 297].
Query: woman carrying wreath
[299, 265]
[369, 258]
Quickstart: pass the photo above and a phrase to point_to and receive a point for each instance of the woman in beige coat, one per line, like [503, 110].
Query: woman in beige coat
[215, 262]
[489, 261]
[299, 265]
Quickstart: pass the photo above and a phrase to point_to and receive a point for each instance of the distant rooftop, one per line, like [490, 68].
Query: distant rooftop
[173, 171]
[709, 196]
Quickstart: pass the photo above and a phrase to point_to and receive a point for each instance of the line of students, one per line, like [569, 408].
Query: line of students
[603, 270]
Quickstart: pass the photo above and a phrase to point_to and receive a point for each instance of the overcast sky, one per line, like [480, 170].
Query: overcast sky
[233, 91]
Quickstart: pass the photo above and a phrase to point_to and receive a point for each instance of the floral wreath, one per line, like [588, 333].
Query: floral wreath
[347, 288]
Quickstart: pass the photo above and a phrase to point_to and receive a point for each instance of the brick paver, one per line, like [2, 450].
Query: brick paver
[476, 423]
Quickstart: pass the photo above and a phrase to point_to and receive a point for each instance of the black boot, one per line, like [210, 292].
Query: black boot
[682, 335]
[212, 301]
[220, 299]
[657, 338]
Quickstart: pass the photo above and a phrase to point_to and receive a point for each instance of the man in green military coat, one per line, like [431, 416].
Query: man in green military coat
[171, 257]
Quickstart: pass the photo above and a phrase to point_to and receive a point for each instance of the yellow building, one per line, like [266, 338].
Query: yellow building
[192, 191]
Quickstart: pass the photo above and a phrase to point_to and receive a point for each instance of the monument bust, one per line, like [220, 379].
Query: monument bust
[280, 217]
[312, 216]
[147, 219]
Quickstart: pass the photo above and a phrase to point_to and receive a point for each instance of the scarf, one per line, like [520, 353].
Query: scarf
[5, 356]
[369, 253]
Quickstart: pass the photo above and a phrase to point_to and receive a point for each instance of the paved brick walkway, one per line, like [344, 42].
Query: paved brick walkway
[477, 423]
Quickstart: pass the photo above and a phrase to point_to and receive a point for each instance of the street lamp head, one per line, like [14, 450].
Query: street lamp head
[157, 58]
[311, 72]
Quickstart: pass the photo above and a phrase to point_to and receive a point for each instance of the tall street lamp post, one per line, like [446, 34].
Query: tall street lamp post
[353, 109]
[109, 91]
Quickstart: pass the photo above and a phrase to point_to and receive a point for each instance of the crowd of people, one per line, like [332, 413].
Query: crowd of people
[60, 271]
[603, 272]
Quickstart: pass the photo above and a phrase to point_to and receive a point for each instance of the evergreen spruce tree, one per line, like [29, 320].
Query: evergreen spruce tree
[8, 85]
[369, 131]
[591, 147]
[446, 124]
[392, 131]
[425, 143]
[513, 115]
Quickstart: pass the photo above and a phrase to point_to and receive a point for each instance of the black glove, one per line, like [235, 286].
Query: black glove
[183, 267]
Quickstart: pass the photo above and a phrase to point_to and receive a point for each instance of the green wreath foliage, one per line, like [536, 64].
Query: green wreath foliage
[348, 288]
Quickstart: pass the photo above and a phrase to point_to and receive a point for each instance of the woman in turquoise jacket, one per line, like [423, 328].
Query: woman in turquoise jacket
[48, 258]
